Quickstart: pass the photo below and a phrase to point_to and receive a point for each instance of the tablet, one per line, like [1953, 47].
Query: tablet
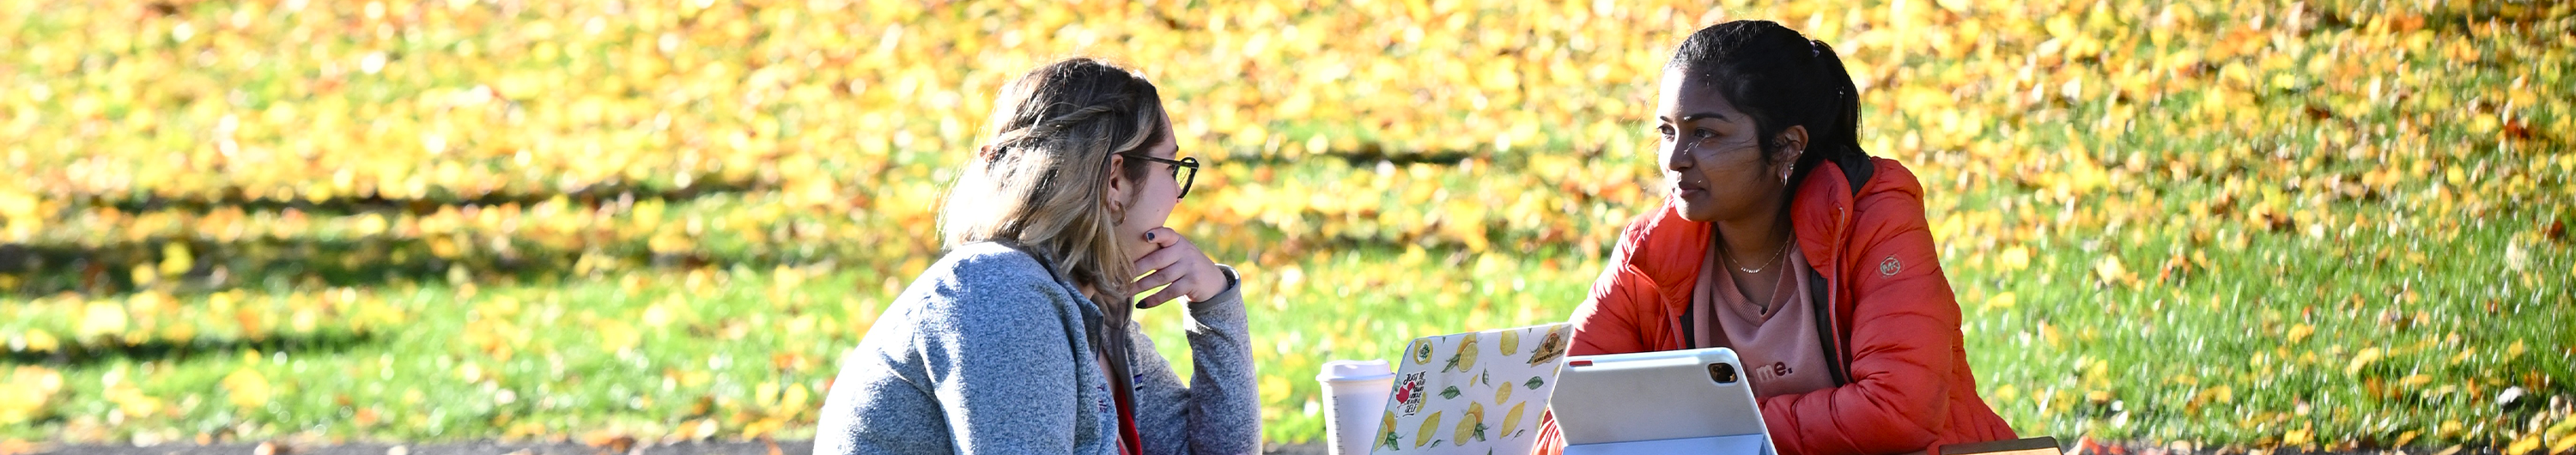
[1695, 401]
[2043, 445]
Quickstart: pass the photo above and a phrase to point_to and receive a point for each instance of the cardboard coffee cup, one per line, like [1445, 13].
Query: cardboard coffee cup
[1355, 393]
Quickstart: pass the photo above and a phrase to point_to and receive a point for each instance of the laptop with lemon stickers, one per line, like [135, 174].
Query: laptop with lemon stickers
[1476, 392]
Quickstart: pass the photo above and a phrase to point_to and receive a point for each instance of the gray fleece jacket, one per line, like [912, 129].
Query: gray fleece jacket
[987, 352]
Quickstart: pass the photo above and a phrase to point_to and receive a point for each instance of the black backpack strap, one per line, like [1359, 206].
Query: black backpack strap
[1857, 169]
[1824, 317]
[1690, 339]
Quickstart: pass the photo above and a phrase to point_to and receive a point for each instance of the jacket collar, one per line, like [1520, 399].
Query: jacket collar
[1671, 250]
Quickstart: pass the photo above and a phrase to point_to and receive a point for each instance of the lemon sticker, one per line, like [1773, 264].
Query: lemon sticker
[1422, 435]
[1465, 358]
[1470, 426]
[1386, 432]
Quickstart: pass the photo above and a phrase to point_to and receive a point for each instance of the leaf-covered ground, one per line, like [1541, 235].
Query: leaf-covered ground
[2329, 225]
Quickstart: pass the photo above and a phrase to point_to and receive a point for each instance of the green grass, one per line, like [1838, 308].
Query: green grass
[438, 364]
[2452, 311]
[2381, 339]
[2269, 225]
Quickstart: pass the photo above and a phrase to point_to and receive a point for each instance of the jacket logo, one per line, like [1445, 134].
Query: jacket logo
[1890, 267]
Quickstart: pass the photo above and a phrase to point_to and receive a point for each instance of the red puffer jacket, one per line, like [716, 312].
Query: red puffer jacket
[1904, 383]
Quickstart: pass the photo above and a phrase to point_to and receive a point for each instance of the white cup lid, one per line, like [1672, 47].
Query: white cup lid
[1354, 370]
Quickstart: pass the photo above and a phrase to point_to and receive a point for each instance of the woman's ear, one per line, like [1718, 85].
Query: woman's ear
[1117, 184]
[1793, 140]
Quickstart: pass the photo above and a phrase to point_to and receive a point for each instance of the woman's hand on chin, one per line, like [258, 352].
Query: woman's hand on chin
[1177, 262]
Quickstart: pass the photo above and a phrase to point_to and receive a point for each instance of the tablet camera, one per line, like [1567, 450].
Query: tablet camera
[1722, 373]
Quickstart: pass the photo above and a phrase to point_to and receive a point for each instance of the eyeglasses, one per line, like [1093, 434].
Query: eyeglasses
[1191, 163]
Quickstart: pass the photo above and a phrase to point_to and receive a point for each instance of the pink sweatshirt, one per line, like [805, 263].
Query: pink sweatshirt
[1777, 342]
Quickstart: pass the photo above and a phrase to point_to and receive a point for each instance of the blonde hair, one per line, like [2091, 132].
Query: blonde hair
[1041, 178]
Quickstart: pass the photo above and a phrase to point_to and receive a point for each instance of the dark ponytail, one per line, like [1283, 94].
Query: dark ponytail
[1781, 79]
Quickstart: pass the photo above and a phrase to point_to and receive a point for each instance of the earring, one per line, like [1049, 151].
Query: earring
[1784, 171]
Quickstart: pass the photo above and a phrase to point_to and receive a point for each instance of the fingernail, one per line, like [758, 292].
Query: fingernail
[1149, 236]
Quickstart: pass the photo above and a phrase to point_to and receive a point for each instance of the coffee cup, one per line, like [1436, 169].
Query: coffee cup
[1355, 393]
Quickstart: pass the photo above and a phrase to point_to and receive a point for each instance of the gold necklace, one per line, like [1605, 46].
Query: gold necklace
[1775, 259]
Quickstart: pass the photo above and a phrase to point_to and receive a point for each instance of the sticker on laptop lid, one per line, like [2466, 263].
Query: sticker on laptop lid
[1550, 347]
[1409, 394]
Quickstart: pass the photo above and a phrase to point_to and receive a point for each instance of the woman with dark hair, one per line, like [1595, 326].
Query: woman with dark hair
[1784, 241]
[1020, 339]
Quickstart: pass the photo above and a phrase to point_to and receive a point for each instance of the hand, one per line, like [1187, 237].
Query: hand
[1177, 262]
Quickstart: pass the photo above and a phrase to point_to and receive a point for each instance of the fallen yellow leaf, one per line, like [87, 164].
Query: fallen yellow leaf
[102, 318]
[2363, 359]
[2527, 444]
[2015, 258]
[2110, 270]
[2415, 381]
[2301, 332]
[615, 335]
[26, 393]
[246, 388]
[2299, 437]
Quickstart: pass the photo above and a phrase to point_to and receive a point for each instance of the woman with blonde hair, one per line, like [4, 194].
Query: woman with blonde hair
[1020, 339]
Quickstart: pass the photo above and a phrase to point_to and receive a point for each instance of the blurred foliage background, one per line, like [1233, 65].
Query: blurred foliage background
[2320, 225]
